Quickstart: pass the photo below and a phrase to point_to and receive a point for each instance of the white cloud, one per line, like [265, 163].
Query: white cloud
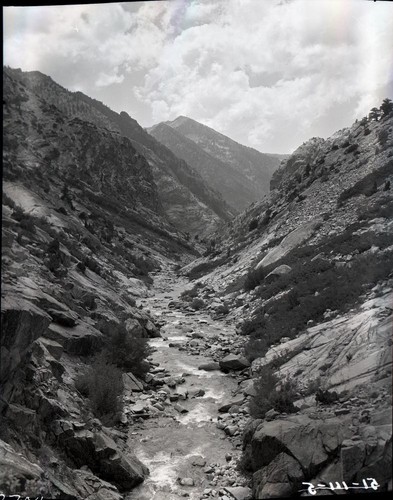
[199, 58]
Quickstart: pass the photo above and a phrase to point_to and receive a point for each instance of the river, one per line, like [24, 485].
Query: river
[172, 442]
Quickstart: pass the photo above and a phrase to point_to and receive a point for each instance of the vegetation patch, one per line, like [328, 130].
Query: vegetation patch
[314, 286]
[272, 394]
[103, 385]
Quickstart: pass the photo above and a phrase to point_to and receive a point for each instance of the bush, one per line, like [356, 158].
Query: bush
[254, 278]
[103, 384]
[253, 225]
[128, 351]
[27, 223]
[18, 214]
[197, 304]
[223, 309]
[187, 295]
[317, 285]
[325, 396]
[383, 136]
[351, 149]
[268, 398]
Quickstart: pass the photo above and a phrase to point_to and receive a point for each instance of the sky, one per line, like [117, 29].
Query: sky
[270, 74]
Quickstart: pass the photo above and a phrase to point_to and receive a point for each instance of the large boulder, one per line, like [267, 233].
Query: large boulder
[209, 366]
[277, 272]
[18, 475]
[311, 442]
[281, 477]
[234, 362]
[131, 383]
[82, 339]
[101, 454]
[292, 240]
[21, 323]
[83, 484]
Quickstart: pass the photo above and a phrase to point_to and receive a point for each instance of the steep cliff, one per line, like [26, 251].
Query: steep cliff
[82, 229]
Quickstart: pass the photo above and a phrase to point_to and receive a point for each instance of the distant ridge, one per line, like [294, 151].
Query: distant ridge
[240, 173]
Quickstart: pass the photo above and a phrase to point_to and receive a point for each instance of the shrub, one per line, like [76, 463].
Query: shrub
[8, 201]
[268, 398]
[254, 278]
[351, 149]
[312, 386]
[128, 351]
[27, 223]
[187, 295]
[338, 289]
[103, 384]
[197, 304]
[325, 396]
[205, 267]
[253, 225]
[18, 214]
[383, 136]
[223, 309]
[81, 266]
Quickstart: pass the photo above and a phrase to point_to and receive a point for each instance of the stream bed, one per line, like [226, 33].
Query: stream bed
[184, 451]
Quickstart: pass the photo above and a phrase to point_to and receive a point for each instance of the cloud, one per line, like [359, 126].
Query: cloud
[264, 72]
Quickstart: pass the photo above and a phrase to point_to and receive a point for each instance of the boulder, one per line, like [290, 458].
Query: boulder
[180, 408]
[239, 492]
[282, 477]
[292, 240]
[131, 383]
[227, 406]
[125, 471]
[209, 367]
[83, 339]
[22, 323]
[101, 454]
[134, 327]
[16, 471]
[247, 387]
[186, 481]
[277, 272]
[197, 393]
[22, 418]
[198, 461]
[234, 362]
[63, 317]
[84, 484]
[310, 442]
[152, 330]
[54, 348]
[352, 457]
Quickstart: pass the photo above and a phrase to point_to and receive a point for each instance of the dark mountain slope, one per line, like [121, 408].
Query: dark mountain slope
[189, 202]
[83, 228]
[244, 165]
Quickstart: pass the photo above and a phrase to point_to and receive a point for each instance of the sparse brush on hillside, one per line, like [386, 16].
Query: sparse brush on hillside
[128, 351]
[316, 286]
[268, 398]
[102, 383]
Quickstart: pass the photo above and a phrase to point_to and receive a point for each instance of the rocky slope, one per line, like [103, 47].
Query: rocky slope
[241, 174]
[307, 276]
[82, 228]
[189, 203]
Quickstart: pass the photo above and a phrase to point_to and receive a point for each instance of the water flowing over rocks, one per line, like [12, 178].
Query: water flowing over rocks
[179, 430]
